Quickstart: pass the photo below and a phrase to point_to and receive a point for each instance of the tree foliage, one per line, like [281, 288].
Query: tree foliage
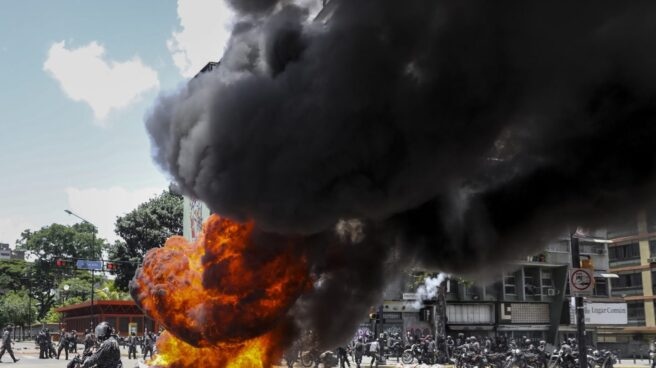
[14, 309]
[148, 226]
[12, 275]
[48, 244]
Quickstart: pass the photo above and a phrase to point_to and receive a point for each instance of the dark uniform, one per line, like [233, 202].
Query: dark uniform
[358, 352]
[132, 346]
[6, 345]
[72, 342]
[149, 344]
[108, 355]
[62, 344]
[49, 346]
[89, 342]
[43, 345]
[342, 355]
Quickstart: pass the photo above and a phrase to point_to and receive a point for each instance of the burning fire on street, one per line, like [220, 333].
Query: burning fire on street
[223, 304]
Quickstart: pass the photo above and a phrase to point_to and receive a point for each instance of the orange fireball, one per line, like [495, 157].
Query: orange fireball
[223, 299]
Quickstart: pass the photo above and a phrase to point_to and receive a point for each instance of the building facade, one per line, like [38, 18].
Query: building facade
[633, 258]
[7, 253]
[123, 315]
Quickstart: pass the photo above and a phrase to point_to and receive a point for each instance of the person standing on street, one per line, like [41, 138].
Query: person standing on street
[342, 355]
[89, 342]
[72, 342]
[6, 345]
[62, 344]
[43, 346]
[358, 352]
[149, 344]
[132, 346]
[374, 350]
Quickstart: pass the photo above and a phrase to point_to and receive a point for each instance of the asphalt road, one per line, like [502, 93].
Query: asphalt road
[29, 358]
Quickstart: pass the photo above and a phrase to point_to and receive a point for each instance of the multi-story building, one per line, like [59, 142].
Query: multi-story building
[532, 300]
[7, 253]
[632, 256]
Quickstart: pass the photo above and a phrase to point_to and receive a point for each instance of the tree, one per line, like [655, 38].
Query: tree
[12, 275]
[148, 226]
[14, 309]
[49, 244]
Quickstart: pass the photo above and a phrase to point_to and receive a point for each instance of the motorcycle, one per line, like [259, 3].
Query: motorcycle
[78, 360]
[416, 351]
[602, 359]
[328, 359]
[520, 359]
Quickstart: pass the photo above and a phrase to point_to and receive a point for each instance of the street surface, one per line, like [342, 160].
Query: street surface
[29, 358]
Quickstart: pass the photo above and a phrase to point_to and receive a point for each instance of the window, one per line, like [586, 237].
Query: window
[628, 281]
[591, 248]
[624, 252]
[601, 286]
[452, 286]
[547, 282]
[509, 284]
[636, 313]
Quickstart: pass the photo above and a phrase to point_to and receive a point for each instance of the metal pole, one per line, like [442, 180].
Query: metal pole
[29, 303]
[578, 303]
[93, 316]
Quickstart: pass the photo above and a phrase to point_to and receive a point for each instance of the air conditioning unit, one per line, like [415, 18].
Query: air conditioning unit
[651, 259]
[551, 292]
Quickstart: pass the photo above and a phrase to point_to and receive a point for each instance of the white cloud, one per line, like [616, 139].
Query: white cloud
[85, 74]
[102, 206]
[206, 27]
[12, 227]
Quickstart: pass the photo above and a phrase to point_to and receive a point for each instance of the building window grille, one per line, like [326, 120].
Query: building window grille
[628, 281]
[509, 284]
[601, 286]
[636, 313]
[624, 252]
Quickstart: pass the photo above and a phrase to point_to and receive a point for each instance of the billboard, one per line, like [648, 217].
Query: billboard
[606, 313]
[603, 313]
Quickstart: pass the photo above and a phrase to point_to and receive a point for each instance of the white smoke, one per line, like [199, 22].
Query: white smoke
[429, 289]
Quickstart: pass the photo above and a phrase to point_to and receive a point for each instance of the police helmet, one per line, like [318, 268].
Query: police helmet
[103, 331]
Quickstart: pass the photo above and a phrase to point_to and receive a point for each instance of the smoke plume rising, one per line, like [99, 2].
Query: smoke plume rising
[459, 133]
[429, 289]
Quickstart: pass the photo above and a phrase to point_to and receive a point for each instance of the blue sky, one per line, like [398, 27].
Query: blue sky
[78, 77]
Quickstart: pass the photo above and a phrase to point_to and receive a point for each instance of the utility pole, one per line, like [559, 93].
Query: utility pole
[578, 300]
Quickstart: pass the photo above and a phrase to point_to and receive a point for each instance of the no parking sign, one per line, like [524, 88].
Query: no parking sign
[581, 281]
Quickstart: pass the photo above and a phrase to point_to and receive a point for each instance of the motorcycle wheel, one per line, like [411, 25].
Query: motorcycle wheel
[407, 357]
[307, 360]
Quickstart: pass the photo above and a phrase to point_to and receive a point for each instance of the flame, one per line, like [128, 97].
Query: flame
[222, 299]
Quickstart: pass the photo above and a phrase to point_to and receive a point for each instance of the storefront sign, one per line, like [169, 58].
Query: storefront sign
[410, 296]
[606, 313]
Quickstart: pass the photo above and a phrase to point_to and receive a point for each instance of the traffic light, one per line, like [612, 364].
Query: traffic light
[373, 316]
[62, 263]
[110, 266]
[587, 263]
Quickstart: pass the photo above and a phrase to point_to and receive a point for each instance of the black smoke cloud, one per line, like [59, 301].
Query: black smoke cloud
[460, 132]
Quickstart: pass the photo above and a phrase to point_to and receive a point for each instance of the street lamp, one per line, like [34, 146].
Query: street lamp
[93, 248]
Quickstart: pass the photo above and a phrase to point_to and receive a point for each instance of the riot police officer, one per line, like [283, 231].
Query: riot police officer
[149, 344]
[62, 344]
[43, 345]
[358, 352]
[132, 346]
[6, 345]
[108, 354]
[89, 342]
